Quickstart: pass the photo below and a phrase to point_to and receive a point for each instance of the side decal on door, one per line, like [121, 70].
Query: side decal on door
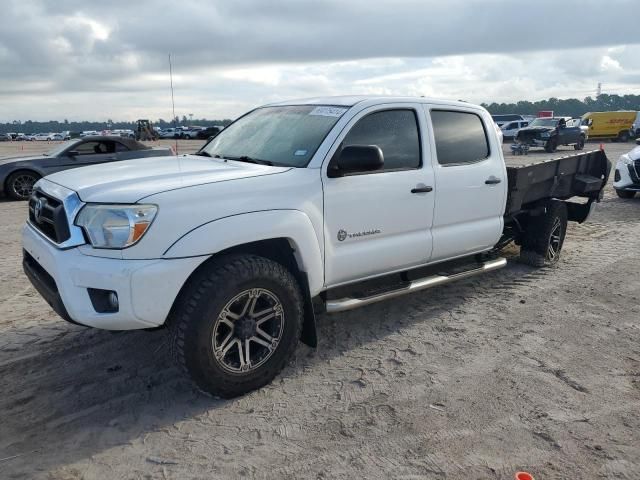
[343, 234]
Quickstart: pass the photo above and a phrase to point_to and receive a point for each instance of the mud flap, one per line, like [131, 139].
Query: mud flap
[308, 336]
[579, 212]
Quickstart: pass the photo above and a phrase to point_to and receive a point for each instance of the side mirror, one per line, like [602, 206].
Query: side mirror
[638, 141]
[73, 153]
[356, 159]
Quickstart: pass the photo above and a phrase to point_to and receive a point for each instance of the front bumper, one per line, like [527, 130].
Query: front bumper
[146, 289]
[626, 177]
[532, 142]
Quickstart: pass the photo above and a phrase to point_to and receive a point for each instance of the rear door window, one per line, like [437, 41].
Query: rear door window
[460, 137]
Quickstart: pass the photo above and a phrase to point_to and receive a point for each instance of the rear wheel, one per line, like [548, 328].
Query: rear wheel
[20, 184]
[580, 143]
[623, 136]
[551, 145]
[237, 324]
[625, 193]
[544, 236]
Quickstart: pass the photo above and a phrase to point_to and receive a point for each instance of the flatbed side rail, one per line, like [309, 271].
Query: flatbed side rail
[579, 175]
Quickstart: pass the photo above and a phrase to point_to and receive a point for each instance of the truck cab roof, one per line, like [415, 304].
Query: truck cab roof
[367, 100]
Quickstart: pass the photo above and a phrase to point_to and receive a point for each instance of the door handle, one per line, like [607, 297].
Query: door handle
[492, 180]
[421, 189]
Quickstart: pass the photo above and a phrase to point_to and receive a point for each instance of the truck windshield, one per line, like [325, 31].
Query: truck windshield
[544, 122]
[283, 136]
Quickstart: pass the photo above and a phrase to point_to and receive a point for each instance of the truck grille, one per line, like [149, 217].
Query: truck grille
[634, 171]
[47, 215]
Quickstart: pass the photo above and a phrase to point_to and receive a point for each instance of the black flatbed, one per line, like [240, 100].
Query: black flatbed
[581, 174]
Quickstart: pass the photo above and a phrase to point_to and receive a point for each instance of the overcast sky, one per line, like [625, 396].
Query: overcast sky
[77, 59]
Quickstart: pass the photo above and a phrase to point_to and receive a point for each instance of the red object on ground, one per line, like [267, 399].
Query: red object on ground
[524, 476]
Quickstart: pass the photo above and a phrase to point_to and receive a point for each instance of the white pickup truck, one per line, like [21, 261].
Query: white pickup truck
[328, 203]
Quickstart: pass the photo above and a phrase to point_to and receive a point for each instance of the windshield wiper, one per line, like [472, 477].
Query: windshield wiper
[245, 158]
[203, 154]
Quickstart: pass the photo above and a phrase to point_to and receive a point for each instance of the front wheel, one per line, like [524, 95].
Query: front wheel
[237, 324]
[625, 193]
[551, 145]
[544, 236]
[20, 184]
[579, 144]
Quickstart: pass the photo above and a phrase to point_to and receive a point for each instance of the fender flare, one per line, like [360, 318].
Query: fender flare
[227, 232]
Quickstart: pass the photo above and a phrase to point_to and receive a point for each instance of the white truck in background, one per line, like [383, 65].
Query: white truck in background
[328, 203]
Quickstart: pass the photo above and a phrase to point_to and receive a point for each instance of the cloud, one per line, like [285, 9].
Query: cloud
[73, 58]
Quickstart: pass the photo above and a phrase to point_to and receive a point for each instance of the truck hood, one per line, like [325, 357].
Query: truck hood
[133, 180]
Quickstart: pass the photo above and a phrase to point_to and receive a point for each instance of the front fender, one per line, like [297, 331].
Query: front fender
[228, 232]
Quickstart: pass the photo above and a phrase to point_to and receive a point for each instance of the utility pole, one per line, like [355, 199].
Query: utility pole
[191, 119]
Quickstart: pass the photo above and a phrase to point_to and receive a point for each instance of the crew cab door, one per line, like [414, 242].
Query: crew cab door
[470, 181]
[379, 221]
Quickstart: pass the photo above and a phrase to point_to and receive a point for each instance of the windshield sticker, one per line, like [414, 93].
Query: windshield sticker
[328, 111]
[300, 153]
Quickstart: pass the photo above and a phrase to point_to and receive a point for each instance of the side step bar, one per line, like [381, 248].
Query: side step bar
[343, 304]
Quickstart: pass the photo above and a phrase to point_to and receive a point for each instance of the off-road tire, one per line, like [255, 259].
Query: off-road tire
[14, 186]
[192, 321]
[625, 193]
[579, 144]
[538, 235]
[551, 145]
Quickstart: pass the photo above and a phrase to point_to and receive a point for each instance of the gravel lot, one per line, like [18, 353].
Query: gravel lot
[519, 369]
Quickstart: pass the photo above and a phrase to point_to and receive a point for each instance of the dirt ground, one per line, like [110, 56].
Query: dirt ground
[519, 369]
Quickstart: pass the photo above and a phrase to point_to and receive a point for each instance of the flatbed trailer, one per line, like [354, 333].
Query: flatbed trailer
[579, 175]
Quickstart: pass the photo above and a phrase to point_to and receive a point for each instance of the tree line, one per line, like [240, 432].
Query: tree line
[30, 126]
[570, 107]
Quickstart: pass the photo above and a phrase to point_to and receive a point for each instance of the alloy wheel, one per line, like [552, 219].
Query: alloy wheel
[248, 330]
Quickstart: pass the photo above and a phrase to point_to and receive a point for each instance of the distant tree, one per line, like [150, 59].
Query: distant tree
[569, 107]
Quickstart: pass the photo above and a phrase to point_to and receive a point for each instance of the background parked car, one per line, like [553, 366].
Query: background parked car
[635, 128]
[191, 132]
[19, 174]
[170, 133]
[208, 132]
[88, 133]
[511, 117]
[41, 137]
[5, 137]
[626, 179]
[510, 129]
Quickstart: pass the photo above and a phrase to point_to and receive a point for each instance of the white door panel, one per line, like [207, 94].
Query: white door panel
[468, 215]
[386, 226]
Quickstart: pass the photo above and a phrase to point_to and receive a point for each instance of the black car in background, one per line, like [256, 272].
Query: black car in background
[549, 133]
[208, 132]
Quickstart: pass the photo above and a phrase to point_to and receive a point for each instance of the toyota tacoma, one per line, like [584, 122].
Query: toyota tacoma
[325, 204]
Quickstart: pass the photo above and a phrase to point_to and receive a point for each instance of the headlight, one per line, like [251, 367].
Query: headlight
[626, 159]
[545, 135]
[115, 226]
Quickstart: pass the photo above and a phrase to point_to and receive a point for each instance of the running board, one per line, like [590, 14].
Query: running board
[343, 304]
